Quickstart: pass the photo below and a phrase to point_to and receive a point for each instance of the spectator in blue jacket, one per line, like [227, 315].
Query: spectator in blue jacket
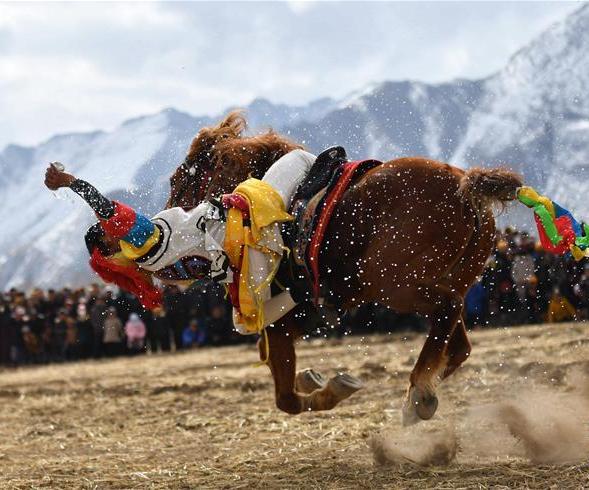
[194, 335]
[475, 304]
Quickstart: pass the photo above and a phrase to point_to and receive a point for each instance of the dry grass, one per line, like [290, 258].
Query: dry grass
[206, 419]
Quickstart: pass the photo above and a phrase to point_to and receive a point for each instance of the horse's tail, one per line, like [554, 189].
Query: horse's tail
[483, 187]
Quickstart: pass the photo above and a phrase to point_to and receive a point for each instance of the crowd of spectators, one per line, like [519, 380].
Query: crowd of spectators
[521, 283]
[96, 322]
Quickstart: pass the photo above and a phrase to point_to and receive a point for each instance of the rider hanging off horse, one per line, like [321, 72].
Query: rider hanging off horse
[412, 234]
[213, 239]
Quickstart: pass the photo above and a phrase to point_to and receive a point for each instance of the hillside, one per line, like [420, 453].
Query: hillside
[533, 115]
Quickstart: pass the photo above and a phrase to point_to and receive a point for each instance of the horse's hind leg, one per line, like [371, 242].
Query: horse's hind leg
[281, 358]
[447, 345]
[458, 348]
[463, 275]
[443, 306]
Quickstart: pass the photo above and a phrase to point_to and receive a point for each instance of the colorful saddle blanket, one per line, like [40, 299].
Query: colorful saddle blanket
[305, 235]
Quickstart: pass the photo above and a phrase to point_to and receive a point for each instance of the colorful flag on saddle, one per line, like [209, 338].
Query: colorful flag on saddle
[559, 231]
[254, 245]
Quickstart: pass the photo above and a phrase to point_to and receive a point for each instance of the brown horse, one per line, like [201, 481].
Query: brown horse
[412, 234]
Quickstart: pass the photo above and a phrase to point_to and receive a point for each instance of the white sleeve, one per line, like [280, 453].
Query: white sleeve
[288, 172]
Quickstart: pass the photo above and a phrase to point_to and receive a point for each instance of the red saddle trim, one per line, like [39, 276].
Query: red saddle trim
[331, 201]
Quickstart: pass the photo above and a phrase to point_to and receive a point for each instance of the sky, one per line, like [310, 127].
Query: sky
[68, 67]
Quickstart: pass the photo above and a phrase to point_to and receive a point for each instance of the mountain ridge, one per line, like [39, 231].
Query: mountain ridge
[530, 115]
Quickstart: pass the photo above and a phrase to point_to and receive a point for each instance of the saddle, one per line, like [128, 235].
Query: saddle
[312, 208]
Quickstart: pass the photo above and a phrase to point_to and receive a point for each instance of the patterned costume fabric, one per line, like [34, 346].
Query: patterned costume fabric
[136, 232]
[558, 229]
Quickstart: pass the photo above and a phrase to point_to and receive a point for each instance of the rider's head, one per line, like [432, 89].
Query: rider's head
[97, 238]
[115, 268]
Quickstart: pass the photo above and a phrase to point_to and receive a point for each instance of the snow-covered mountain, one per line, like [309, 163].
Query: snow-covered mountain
[41, 243]
[532, 115]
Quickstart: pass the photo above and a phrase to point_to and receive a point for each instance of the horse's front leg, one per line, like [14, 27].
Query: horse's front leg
[279, 351]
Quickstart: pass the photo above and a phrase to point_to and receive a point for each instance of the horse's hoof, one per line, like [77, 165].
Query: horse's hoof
[419, 405]
[309, 380]
[427, 407]
[344, 385]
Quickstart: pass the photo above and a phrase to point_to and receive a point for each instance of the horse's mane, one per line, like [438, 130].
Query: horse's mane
[227, 143]
[220, 157]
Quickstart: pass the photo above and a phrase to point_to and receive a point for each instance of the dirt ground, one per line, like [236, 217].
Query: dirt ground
[206, 419]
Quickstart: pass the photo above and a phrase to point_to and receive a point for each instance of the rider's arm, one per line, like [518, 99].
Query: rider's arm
[583, 241]
[138, 236]
[119, 220]
[103, 207]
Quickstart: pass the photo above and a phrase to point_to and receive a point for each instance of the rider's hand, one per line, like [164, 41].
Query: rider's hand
[54, 179]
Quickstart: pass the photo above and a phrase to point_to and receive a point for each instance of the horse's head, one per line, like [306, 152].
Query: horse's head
[190, 182]
[219, 158]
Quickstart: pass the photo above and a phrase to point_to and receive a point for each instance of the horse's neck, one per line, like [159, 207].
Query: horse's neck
[260, 163]
[236, 171]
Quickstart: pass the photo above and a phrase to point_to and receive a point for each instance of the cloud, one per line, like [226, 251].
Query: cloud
[78, 66]
[301, 6]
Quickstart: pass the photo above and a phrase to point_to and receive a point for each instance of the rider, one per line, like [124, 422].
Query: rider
[128, 248]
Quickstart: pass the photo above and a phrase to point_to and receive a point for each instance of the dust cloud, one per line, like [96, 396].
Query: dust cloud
[541, 426]
[415, 447]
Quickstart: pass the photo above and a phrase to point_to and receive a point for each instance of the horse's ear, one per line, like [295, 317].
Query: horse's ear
[233, 125]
